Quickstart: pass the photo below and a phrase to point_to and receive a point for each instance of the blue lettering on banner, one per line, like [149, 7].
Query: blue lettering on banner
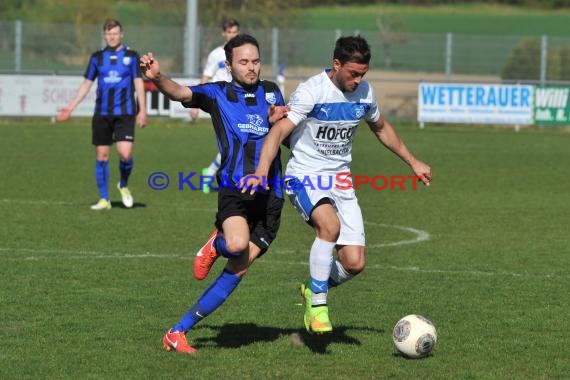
[476, 95]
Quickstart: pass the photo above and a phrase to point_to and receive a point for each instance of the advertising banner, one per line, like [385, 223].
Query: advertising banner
[35, 95]
[475, 103]
[551, 105]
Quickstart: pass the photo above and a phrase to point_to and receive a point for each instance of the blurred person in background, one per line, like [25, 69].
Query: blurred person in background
[117, 71]
[214, 71]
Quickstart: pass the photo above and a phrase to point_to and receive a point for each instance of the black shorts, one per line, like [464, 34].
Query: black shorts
[262, 212]
[107, 129]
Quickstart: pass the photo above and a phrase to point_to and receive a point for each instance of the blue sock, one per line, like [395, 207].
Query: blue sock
[125, 168]
[318, 286]
[221, 248]
[102, 177]
[209, 301]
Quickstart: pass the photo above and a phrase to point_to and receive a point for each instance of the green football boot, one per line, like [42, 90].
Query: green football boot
[316, 318]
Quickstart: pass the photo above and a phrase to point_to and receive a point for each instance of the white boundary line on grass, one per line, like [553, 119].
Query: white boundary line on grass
[420, 235]
[83, 255]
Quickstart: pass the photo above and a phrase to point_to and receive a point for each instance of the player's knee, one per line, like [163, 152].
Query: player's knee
[102, 155]
[124, 156]
[354, 264]
[236, 244]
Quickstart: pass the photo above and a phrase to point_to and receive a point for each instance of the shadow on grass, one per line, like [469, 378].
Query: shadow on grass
[235, 335]
[119, 204]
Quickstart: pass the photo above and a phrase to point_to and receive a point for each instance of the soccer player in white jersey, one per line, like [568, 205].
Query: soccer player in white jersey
[215, 70]
[323, 115]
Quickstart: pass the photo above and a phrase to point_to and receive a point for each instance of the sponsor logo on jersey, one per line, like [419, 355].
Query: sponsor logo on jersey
[326, 132]
[270, 98]
[359, 111]
[254, 125]
[113, 77]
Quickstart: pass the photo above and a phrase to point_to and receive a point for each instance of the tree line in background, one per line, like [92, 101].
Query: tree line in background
[523, 63]
[265, 13]
[539, 4]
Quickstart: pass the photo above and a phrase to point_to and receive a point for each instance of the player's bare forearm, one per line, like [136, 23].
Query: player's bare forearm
[279, 132]
[173, 90]
[65, 112]
[390, 139]
[151, 69]
[141, 98]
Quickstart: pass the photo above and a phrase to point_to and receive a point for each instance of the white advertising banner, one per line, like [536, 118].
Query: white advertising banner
[44, 95]
[37, 95]
[475, 103]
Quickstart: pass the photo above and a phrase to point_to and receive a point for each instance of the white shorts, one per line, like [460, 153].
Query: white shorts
[305, 193]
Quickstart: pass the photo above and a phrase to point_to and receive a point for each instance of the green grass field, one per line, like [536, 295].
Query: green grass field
[90, 294]
[484, 19]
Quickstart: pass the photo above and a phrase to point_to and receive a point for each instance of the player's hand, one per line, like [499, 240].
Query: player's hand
[149, 66]
[277, 113]
[141, 119]
[63, 114]
[252, 182]
[423, 171]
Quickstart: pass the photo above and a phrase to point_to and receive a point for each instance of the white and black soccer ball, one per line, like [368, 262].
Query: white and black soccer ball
[414, 336]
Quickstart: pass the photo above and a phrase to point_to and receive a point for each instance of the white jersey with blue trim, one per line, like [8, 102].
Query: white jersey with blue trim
[216, 66]
[325, 121]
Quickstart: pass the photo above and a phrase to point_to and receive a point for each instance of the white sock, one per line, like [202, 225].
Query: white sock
[338, 274]
[320, 261]
[215, 165]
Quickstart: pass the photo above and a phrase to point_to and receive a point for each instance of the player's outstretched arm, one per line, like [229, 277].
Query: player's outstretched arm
[65, 112]
[387, 135]
[151, 69]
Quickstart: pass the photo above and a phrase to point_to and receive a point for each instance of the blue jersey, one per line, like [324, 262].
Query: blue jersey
[115, 72]
[241, 122]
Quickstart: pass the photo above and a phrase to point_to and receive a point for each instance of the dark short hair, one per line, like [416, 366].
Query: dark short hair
[237, 41]
[111, 23]
[229, 22]
[352, 49]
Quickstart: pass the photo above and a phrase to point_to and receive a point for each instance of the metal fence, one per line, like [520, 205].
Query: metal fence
[27, 47]
[399, 62]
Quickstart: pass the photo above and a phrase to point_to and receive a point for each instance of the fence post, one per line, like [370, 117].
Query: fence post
[190, 39]
[448, 54]
[274, 51]
[18, 46]
[543, 59]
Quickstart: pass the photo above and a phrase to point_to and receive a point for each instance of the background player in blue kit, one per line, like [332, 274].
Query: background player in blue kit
[242, 114]
[118, 77]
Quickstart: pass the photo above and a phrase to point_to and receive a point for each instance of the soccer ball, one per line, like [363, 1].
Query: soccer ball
[414, 336]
